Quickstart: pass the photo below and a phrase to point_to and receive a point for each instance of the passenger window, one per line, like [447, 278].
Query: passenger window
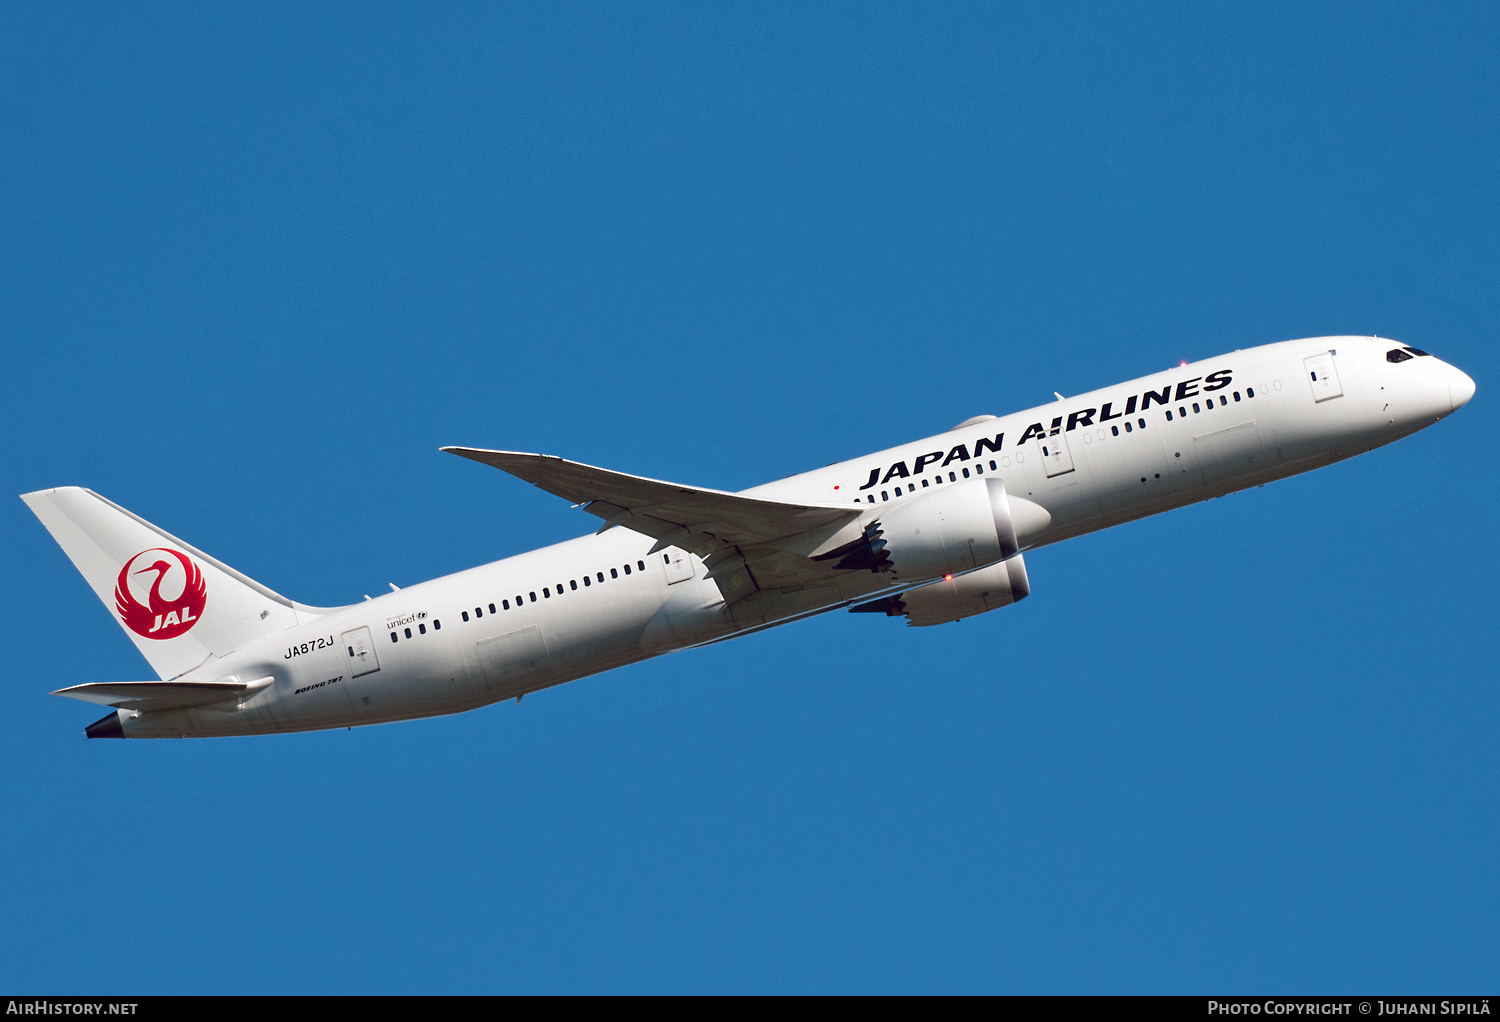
[1236, 395]
[924, 484]
[437, 626]
[573, 583]
[615, 572]
[666, 558]
[871, 498]
[1169, 416]
[641, 565]
[966, 473]
[533, 597]
[1223, 400]
[1182, 411]
[393, 637]
[422, 629]
[407, 631]
[587, 581]
[601, 576]
[1249, 391]
[1127, 427]
[492, 608]
[1141, 423]
[952, 478]
[520, 601]
[478, 612]
[1114, 430]
[884, 495]
[505, 604]
[546, 593]
[559, 589]
[627, 569]
[466, 617]
[1195, 408]
[992, 465]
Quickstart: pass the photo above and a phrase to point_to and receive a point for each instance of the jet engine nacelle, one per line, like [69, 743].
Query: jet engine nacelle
[951, 599]
[953, 530]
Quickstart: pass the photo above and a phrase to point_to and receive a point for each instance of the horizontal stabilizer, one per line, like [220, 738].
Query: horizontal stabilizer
[162, 695]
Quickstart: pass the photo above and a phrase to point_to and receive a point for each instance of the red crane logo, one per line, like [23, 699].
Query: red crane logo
[160, 617]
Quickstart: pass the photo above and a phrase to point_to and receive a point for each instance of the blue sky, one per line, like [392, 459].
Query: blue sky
[259, 263]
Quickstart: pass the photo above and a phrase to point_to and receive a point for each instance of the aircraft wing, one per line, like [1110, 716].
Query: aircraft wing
[770, 541]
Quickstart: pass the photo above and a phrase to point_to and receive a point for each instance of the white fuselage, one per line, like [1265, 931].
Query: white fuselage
[602, 601]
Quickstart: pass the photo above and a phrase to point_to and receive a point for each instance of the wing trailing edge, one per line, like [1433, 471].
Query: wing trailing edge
[750, 546]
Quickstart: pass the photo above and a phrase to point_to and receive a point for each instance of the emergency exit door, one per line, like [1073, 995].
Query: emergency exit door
[678, 565]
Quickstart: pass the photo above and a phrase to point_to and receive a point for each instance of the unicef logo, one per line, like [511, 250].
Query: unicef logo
[160, 593]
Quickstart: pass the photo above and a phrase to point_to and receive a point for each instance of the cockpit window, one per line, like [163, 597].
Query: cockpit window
[1397, 355]
[1417, 351]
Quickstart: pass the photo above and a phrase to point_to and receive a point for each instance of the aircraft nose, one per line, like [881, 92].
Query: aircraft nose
[1460, 388]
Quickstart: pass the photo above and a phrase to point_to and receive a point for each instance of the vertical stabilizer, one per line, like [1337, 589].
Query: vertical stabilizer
[179, 606]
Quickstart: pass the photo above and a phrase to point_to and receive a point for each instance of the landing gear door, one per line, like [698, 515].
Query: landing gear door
[360, 650]
[1324, 376]
[1056, 458]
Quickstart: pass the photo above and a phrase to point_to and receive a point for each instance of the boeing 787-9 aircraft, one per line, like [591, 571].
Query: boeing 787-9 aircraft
[932, 531]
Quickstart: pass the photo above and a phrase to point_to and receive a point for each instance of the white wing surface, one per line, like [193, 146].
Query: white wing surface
[748, 544]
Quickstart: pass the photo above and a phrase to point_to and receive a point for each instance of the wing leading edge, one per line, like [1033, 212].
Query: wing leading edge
[749, 544]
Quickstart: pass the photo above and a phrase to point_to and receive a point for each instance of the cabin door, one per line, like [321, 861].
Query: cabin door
[1324, 376]
[360, 651]
[1056, 458]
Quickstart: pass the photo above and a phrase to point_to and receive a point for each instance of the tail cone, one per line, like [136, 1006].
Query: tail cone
[106, 727]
